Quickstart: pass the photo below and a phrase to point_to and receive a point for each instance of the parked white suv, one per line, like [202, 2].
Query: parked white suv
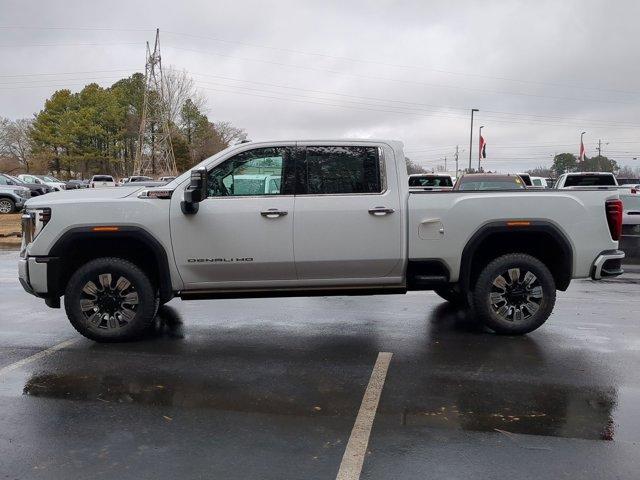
[52, 182]
[340, 221]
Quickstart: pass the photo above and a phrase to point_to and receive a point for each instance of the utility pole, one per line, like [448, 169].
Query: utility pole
[155, 151]
[445, 164]
[599, 147]
[456, 160]
[471, 136]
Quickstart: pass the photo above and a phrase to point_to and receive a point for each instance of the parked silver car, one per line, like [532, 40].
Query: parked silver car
[12, 197]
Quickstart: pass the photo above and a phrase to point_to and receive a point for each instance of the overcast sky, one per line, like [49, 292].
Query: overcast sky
[539, 72]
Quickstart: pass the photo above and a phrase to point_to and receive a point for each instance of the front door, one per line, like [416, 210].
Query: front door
[243, 231]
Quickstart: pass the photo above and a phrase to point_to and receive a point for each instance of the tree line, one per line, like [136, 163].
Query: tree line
[568, 162]
[96, 129]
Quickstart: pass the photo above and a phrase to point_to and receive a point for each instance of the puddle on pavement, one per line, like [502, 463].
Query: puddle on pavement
[173, 392]
[513, 407]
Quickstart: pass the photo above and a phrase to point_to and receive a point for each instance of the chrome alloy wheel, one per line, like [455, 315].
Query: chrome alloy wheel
[5, 206]
[515, 296]
[108, 306]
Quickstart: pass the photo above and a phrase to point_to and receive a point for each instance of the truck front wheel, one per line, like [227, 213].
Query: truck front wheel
[110, 300]
[514, 294]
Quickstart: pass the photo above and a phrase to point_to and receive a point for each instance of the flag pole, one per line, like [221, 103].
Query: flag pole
[480, 149]
[471, 136]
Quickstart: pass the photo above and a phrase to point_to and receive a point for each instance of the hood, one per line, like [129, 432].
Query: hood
[80, 194]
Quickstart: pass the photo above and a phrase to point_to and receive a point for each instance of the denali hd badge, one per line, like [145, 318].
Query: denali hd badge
[219, 260]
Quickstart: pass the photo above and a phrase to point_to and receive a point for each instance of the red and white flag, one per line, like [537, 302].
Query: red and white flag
[582, 151]
[483, 147]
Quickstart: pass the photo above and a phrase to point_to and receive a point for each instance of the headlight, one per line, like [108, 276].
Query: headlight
[22, 193]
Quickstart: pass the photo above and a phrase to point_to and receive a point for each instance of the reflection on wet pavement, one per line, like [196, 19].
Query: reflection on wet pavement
[499, 384]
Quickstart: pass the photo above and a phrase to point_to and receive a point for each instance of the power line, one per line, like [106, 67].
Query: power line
[415, 111]
[70, 45]
[387, 64]
[67, 73]
[404, 81]
[462, 109]
[318, 54]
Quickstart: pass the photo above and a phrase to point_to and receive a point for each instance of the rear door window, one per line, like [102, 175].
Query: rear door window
[330, 170]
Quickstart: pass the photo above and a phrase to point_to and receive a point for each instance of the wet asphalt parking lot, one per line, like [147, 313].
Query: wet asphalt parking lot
[271, 388]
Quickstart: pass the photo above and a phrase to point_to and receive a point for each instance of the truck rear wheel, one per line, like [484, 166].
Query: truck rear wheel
[110, 300]
[514, 294]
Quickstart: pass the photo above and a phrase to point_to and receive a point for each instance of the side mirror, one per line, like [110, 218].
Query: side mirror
[195, 192]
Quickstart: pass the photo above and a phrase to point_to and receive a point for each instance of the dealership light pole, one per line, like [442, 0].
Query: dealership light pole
[471, 136]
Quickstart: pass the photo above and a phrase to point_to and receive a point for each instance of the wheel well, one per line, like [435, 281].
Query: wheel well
[78, 248]
[546, 244]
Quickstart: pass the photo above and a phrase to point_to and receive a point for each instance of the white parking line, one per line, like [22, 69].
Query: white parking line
[353, 457]
[37, 356]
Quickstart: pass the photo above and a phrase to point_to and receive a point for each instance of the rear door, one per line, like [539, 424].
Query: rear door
[348, 217]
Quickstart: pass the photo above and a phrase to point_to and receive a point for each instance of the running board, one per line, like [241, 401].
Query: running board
[298, 292]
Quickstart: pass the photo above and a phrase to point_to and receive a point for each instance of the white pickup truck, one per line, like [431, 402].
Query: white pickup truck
[340, 220]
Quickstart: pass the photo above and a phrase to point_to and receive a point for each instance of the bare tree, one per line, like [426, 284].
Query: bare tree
[180, 87]
[628, 172]
[228, 134]
[413, 167]
[15, 140]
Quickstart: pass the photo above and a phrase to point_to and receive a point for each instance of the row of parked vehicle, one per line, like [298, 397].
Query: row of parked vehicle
[629, 192]
[16, 190]
[492, 181]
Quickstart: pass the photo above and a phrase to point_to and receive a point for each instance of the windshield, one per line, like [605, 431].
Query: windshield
[50, 179]
[526, 178]
[430, 181]
[590, 181]
[102, 178]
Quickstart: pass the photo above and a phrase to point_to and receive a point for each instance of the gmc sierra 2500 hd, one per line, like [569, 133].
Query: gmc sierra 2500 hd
[307, 218]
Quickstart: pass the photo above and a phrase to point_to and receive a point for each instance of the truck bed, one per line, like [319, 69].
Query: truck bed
[442, 223]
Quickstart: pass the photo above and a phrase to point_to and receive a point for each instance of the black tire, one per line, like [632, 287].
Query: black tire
[514, 294]
[118, 307]
[7, 205]
[450, 294]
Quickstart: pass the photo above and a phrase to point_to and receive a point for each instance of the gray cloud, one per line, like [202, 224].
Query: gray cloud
[540, 72]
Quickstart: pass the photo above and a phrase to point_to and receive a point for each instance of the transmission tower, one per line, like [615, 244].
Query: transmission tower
[155, 152]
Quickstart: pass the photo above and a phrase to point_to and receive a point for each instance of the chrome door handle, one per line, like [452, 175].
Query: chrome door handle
[379, 211]
[273, 213]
